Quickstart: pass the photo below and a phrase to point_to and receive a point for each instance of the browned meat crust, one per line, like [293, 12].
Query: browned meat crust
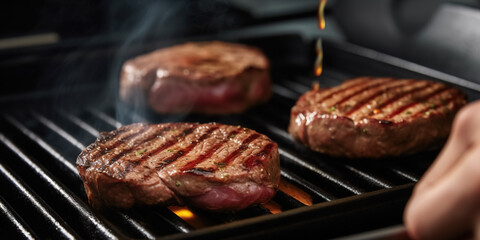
[375, 117]
[212, 166]
[203, 77]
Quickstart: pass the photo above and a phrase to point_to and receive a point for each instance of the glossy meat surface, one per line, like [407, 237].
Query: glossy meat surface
[370, 117]
[212, 166]
[203, 77]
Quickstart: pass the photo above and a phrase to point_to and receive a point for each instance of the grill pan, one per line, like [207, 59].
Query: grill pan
[43, 131]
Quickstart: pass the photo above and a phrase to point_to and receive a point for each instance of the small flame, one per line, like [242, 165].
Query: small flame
[183, 213]
[321, 15]
[318, 70]
[189, 217]
[319, 61]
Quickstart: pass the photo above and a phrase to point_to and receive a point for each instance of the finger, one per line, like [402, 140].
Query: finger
[477, 228]
[447, 210]
[465, 132]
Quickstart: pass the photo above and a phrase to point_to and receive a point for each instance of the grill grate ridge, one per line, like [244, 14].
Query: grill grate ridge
[38, 210]
[12, 223]
[369, 177]
[317, 192]
[55, 187]
[290, 158]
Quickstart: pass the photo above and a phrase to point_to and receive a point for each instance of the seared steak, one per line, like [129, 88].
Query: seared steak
[211, 166]
[375, 117]
[205, 77]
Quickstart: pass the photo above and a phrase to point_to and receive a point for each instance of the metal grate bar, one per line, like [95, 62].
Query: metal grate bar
[374, 179]
[79, 122]
[297, 87]
[125, 223]
[286, 201]
[311, 188]
[173, 219]
[67, 196]
[15, 223]
[58, 130]
[284, 92]
[328, 78]
[138, 227]
[271, 128]
[402, 64]
[58, 227]
[42, 143]
[336, 76]
[104, 117]
[409, 176]
[304, 164]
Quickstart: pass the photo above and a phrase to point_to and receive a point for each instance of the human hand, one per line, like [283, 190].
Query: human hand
[446, 202]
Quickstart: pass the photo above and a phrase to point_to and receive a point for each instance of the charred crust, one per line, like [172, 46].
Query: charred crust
[375, 123]
[132, 176]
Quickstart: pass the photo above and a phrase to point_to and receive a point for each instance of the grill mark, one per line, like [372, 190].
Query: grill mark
[186, 150]
[135, 145]
[360, 82]
[167, 144]
[362, 103]
[242, 148]
[454, 95]
[257, 159]
[396, 97]
[130, 149]
[188, 167]
[403, 108]
[346, 98]
[131, 164]
[119, 141]
[107, 136]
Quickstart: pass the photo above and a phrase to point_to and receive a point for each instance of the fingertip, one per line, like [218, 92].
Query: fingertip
[410, 221]
[416, 217]
[465, 118]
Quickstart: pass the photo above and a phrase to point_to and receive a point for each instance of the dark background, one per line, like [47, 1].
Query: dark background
[91, 39]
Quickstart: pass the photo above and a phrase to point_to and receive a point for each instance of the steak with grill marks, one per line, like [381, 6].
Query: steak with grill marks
[202, 77]
[212, 166]
[378, 117]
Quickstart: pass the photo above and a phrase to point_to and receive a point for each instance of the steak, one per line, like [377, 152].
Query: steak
[369, 117]
[204, 77]
[211, 166]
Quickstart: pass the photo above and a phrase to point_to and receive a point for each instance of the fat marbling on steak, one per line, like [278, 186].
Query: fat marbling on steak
[375, 117]
[212, 166]
[201, 77]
